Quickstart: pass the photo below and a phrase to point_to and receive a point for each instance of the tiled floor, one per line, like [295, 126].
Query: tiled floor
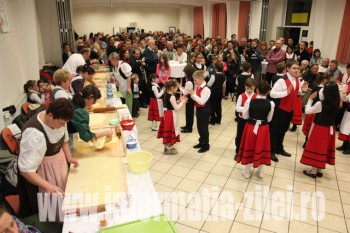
[234, 204]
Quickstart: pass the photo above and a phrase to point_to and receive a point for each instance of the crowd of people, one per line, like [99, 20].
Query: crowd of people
[297, 78]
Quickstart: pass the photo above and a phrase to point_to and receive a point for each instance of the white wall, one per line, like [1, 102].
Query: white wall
[19, 61]
[324, 26]
[150, 18]
[186, 20]
[255, 19]
[232, 12]
[48, 26]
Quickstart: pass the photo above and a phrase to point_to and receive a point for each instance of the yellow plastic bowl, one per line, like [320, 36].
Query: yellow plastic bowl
[140, 161]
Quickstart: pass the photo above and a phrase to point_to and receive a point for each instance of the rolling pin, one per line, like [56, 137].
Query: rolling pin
[102, 110]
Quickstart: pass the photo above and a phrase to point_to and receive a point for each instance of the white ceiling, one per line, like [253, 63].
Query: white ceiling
[115, 3]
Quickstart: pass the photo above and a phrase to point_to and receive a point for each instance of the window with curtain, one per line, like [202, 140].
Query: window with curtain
[198, 22]
[243, 21]
[343, 52]
[219, 20]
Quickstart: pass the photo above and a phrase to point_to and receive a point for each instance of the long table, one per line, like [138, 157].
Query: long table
[139, 201]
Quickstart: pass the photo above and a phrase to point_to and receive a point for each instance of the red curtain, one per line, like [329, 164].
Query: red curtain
[219, 20]
[243, 30]
[198, 22]
[343, 53]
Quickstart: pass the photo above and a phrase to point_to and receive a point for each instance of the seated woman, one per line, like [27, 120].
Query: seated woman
[80, 123]
[61, 90]
[9, 223]
[32, 90]
[42, 161]
[84, 72]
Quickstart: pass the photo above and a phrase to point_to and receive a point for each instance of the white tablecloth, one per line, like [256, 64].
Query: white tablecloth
[143, 201]
[177, 69]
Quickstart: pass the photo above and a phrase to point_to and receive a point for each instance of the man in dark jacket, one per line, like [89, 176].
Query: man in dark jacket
[151, 58]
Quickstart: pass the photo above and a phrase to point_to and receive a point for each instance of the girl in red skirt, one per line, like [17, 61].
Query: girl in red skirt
[255, 144]
[309, 118]
[297, 118]
[155, 101]
[169, 128]
[320, 148]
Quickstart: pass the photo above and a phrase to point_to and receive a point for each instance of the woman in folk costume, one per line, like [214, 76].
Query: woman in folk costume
[155, 102]
[344, 132]
[169, 128]
[297, 118]
[255, 144]
[309, 118]
[320, 147]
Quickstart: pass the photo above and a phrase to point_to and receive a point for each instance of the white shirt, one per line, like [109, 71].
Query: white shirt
[34, 96]
[157, 94]
[205, 94]
[212, 80]
[245, 113]
[123, 83]
[61, 93]
[279, 90]
[33, 146]
[73, 62]
[175, 105]
[284, 47]
[182, 58]
[188, 85]
[239, 107]
[317, 108]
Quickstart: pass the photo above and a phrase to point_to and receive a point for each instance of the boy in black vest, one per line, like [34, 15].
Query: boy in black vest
[216, 83]
[286, 91]
[240, 81]
[201, 95]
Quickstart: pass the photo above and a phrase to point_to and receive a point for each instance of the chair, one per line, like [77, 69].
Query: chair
[25, 107]
[11, 135]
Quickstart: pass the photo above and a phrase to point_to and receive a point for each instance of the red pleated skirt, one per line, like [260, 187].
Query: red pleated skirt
[309, 119]
[153, 112]
[255, 148]
[297, 118]
[167, 129]
[343, 137]
[320, 148]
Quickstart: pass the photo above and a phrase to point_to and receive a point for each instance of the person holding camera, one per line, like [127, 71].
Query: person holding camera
[256, 57]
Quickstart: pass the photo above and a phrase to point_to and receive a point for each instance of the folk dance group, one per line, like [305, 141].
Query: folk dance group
[265, 114]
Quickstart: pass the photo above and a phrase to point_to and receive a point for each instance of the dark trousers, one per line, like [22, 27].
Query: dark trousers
[143, 97]
[203, 115]
[135, 106]
[215, 100]
[340, 115]
[123, 100]
[280, 124]
[240, 128]
[268, 77]
[189, 114]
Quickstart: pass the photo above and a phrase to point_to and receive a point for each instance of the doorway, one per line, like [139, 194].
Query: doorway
[289, 32]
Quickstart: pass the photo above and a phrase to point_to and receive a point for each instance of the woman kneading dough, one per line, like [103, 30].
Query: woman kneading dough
[44, 153]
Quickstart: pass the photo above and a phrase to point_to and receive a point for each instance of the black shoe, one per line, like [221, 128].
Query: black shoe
[186, 131]
[212, 123]
[274, 158]
[204, 149]
[236, 119]
[309, 174]
[319, 174]
[144, 106]
[235, 158]
[199, 145]
[183, 127]
[284, 153]
[344, 146]
[216, 122]
[347, 151]
[293, 129]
